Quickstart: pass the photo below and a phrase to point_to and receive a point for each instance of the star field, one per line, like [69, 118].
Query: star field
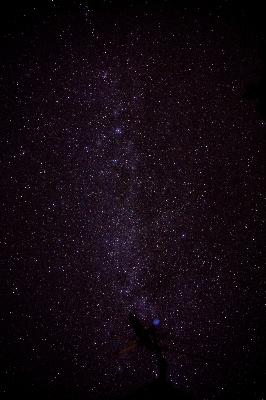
[133, 181]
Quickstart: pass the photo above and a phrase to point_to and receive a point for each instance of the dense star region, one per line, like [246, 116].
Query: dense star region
[132, 176]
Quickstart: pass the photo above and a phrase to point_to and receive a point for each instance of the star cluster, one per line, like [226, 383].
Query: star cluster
[132, 177]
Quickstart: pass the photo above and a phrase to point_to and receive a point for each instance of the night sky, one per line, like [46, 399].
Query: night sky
[132, 174]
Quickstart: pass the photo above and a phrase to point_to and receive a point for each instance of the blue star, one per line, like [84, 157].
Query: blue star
[118, 130]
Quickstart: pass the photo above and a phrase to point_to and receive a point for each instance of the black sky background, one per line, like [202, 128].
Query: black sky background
[133, 181]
